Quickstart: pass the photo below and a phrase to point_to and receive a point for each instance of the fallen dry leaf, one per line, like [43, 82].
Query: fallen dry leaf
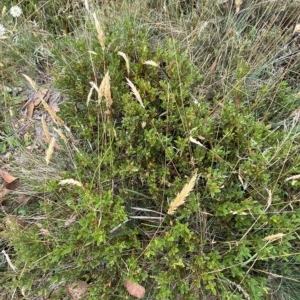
[30, 109]
[55, 107]
[134, 289]
[213, 67]
[70, 221]
[4, 192]
[41, 94]
[44, 231]
[77, 290]
[23, 199]
[8, 178]
[12, 222]
[13, 185]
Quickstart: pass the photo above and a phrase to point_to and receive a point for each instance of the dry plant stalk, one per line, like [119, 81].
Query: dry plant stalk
[50, 150]
[135, 92]
[61, 135]
[180, 198]
[101, 36]
[31, 82]
[126, 61]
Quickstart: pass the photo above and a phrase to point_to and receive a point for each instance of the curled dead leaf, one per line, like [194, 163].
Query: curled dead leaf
[12, 222]
[44, 231]
[70, 221]
[3, 193]
[13, 185]
[8, 178]
[23, 199]
[134, 289]
[77, 290]
[30, 109]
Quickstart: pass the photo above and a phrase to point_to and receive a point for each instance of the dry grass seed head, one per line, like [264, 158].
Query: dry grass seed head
[101, 36]
[180, 198]
[45, 129]
[50, 150]
[126, 61]
[104, 91]
[135, 92]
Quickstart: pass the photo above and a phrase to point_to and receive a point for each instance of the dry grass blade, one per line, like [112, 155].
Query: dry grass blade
[194, 141]
[61, 135]
[135, 92]
[101, 36]
[293, 177]
[126, 61]
[269, 202]
[50, 151]
[31, 82]
[53, 115]
[180, 198]
[89, 95]
[9, 261]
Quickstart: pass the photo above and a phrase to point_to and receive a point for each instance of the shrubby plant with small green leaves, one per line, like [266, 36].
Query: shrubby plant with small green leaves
[237, 226]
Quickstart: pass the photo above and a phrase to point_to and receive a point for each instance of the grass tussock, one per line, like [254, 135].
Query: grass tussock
[131, 98]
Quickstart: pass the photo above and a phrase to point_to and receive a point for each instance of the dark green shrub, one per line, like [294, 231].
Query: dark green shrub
[234, 228]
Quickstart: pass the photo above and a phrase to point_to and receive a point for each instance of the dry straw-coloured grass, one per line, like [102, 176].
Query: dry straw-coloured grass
[61, 135]
[180, 198]
[45, 129]
[52, 113]
[273, 237]
[50, 150]
[101, 36]
[70, 181]
[151, 63]
[104, 91]
[135, 92]
[126, 61]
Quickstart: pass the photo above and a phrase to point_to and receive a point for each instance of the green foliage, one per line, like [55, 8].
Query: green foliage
[133, 158]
